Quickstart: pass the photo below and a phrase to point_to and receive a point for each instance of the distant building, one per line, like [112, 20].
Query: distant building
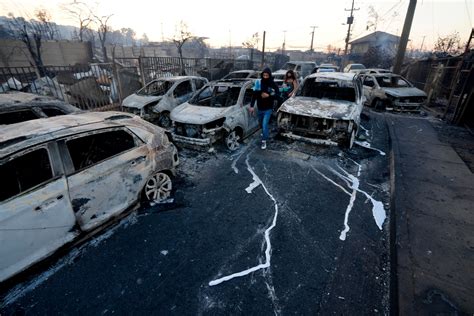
[380, 40]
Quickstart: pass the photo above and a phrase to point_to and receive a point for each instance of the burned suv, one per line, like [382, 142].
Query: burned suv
[219, 111]
[325, 110]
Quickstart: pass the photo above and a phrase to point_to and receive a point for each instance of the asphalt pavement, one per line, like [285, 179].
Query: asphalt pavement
[433, 218]
[295, 229]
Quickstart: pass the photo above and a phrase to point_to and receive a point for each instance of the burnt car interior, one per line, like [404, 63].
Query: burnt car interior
[99, 147]
[25, 172]
[327, 90]
[17, 117]
[219, 97]
[392, 82]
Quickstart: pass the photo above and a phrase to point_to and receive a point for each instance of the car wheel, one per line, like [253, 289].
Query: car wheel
[164, 120]
[158, 187]
[232, 140]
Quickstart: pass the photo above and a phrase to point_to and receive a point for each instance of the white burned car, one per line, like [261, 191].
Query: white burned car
[159, 97]
[392, 92]
[325, 110]
[218, 112]
[66, 176]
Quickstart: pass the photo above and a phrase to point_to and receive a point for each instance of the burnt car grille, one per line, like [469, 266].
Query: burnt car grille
[310, 124]
[188, 130]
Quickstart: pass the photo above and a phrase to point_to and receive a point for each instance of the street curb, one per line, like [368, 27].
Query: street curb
[393, 289]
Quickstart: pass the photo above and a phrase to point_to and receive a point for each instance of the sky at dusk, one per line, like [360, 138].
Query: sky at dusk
[233, 22]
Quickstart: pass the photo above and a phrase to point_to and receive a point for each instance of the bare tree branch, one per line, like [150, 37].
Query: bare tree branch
[80, 12]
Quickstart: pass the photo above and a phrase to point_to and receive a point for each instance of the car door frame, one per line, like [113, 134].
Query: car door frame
[47, 212]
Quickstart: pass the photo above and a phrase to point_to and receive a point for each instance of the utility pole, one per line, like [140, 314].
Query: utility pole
[263, 50]
[422, 42]
[312, 38]
[350, 20]
[402, 46]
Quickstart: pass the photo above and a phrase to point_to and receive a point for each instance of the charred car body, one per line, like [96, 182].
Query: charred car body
[159, 97]
[63, 177]
[392, 92]
[18, 107]
[219, 111]
[325, 110]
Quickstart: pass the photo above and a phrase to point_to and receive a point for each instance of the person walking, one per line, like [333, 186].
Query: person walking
[265, 93]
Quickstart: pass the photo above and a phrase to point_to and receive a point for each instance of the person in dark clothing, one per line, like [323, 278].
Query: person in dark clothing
[265, 93]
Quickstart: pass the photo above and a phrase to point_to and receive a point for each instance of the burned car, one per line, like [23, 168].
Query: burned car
[219, 111]
[325, 110]
[18, 107]
[158, 98]
[64, 178]
[392, 92]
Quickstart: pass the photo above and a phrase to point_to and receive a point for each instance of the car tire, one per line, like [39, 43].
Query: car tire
[232, 140]
[349, 140]
[158, 187]
[164, 120]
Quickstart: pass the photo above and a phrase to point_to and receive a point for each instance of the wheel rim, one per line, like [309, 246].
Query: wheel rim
[158, 187]
[165, 120]
[232, 140]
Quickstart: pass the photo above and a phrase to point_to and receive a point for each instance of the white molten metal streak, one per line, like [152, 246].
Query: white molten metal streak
[367, 145]
[256, 182]
[378, 211]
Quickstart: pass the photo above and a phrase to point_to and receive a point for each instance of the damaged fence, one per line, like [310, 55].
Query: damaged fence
[449, 84]
[103, 86]
[88, 87]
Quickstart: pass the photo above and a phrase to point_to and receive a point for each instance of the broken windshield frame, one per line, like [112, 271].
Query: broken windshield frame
[392, 82]
[327, 90]
[217, 96]
[156, 88]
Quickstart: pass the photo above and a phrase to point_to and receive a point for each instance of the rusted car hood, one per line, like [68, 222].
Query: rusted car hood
[139, 101]
[324, 108]
[192, 114]
[405, 92]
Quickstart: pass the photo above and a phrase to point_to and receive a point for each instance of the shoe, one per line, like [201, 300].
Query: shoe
[264, 144]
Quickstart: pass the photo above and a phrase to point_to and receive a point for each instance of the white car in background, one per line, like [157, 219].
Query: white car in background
[159, 97]
[392, 92]
[354, 68]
